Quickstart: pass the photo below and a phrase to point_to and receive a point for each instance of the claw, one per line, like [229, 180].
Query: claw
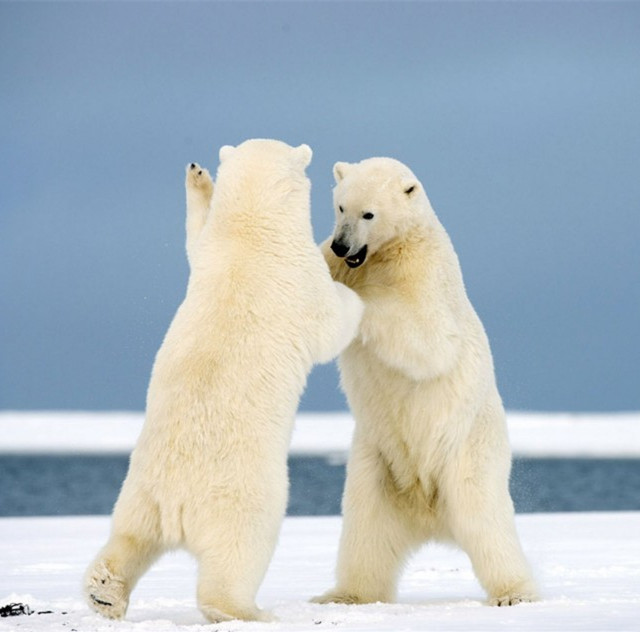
[100, 601]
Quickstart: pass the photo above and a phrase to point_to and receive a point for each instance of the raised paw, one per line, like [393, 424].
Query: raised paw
[199, 179]
[106, 593]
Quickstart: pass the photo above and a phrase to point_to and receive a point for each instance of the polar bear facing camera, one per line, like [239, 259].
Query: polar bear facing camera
[430, 457]
[209, 471]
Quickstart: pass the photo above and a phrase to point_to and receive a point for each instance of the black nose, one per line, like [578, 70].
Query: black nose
[339, 249]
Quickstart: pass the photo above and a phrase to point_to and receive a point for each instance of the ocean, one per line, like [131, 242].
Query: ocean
[56, 485]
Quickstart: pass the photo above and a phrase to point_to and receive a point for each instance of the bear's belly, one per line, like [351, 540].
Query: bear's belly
[414, 426]
[413, 488]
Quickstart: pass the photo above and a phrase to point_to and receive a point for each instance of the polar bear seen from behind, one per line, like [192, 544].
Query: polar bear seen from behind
[209, 472]
[430, 457]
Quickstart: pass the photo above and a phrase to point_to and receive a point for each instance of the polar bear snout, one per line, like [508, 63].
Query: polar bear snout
[342, 250]
[353, 261]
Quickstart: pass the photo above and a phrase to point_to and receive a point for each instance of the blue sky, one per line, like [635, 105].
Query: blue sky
[521, 120]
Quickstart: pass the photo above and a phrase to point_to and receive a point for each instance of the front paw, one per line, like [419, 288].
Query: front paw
[198, 179]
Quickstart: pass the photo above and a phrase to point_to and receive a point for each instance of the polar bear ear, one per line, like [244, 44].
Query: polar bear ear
[302, 155]
[340, 170]
[410, 186]
[225, 152]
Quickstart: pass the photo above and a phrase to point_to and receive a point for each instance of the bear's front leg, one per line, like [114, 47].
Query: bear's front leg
[423, 343]
[346, 325]
[199, 189]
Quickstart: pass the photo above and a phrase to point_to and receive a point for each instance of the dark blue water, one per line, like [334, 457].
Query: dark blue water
[84, 485]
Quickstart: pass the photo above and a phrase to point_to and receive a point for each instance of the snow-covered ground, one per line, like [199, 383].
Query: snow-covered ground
[531, 434]
[588, 566]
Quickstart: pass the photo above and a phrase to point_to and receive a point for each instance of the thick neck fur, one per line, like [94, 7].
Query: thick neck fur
[385, 265]
[271, 208]
[395, 264]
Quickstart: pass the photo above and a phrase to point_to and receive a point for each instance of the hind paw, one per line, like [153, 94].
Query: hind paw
[338, 596]
[231, 613]
[106, 593]
[512, 599]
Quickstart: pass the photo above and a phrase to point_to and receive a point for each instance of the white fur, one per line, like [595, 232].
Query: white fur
[199, 190]
[209, 472]
[430, 456]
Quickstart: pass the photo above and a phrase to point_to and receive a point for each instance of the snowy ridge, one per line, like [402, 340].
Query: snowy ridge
[531, 434]
[587, 565]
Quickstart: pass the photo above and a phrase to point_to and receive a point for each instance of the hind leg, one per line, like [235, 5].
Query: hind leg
[481, 519]
[489, 538]
[233, 536]
[113, 574]
[133, 546]
[225, 594]
[376, 538]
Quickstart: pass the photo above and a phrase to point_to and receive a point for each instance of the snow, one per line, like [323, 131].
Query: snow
[531, 434]
[588, 566]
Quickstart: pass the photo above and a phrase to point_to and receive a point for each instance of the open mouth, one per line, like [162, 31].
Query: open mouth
[358, 259]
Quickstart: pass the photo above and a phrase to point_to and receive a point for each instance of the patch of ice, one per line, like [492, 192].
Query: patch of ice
[327, 434]
[588, 566]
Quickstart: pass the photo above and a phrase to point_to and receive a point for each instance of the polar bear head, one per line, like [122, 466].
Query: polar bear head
[375, 200]
[272, 149]
[263, 158]
[260, 176]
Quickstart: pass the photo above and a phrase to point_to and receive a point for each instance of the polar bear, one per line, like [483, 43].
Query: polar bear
[209, 471]
[430, 457]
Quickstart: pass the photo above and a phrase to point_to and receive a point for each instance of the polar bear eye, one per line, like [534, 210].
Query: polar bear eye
[367, 216]
[341, 209]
